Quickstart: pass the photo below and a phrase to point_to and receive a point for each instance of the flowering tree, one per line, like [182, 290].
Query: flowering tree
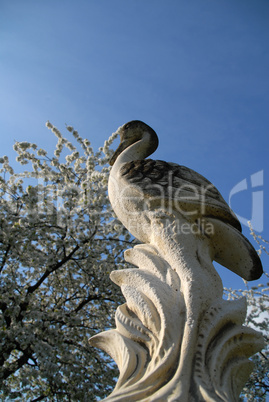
[58, 243]
[59, 240]
[257, 387]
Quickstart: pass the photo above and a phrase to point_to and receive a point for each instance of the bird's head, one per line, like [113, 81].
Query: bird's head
[132, 132]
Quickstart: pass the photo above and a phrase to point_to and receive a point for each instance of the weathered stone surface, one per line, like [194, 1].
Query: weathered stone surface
[176, 339]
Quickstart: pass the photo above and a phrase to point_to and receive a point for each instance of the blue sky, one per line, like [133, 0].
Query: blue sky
[196, 71]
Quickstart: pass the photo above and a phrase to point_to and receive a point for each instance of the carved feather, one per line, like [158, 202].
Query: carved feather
[183, 185]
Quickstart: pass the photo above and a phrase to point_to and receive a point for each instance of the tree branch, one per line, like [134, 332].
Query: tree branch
[4, 260]
[53, 268]
[13, 367]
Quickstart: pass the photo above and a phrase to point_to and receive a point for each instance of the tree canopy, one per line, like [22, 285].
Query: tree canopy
[58, 243]
[59, 240]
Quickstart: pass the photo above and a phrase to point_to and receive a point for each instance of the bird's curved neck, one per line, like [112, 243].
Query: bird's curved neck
[137, 151]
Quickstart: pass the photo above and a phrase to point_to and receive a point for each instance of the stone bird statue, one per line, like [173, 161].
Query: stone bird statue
[138, 186]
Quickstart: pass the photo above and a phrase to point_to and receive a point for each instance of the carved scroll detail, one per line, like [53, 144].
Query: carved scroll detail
[148, 346]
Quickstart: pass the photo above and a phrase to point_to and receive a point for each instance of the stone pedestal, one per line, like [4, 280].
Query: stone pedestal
[176, 338]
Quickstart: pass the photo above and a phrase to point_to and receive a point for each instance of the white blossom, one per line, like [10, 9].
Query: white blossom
[49, 125]
[54, 294]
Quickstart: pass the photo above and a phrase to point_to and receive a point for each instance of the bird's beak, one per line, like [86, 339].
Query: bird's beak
[123, 145]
